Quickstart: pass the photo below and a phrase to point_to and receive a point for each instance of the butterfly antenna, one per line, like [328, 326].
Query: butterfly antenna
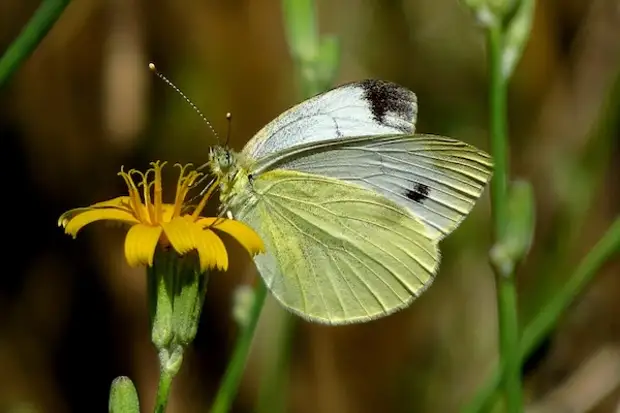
[228, 129]
[176, 89]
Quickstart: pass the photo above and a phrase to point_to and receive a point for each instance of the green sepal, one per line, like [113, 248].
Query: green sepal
[160, 295]
[190, 291]
[176, 293]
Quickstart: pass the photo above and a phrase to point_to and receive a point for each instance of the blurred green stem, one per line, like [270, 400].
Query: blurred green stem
[272, 391]
[506, 290]
[537, 329]
[546, 319]
[41, 22]
[163, 390]
[234, 372]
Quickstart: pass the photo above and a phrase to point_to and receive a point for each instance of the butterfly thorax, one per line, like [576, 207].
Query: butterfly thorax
[231, 172]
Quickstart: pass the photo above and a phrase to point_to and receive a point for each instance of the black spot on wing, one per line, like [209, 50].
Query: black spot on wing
[419, 193]
[389, 98]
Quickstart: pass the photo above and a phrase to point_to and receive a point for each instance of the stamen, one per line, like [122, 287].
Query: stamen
[179, 183]
[204, 200]
[146, 187]
[158, 191]
[150, 206]
[191, 178]
[136, 203]
[189, 181]
[187, 184]
[181, 189]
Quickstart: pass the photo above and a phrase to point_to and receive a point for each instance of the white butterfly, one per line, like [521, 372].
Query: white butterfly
[350, 203]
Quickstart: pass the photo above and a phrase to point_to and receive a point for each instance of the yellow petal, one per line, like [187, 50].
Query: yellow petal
[180, 234]
[238, 230]
[76, 219]
[121, 202]
[167, 212]
[140, 244]
[219, 256]
[185, 235]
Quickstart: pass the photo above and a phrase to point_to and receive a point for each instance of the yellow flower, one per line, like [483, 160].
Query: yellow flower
[154, 222]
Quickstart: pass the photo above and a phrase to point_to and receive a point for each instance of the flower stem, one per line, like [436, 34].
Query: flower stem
[506, 289]
[230, 383]
[272, 391]
[498, 129]
[163, 390]
[41, 22]
[538, 328]
[509, 345]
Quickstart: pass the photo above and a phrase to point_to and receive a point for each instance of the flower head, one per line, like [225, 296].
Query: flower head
[153, 222]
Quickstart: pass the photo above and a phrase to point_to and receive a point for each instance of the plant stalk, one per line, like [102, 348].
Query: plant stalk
[163, 390]
[538, 328]
[35, 30]
[234, 372]
[506, 289]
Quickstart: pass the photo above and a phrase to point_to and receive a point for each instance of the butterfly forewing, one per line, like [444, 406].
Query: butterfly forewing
[369, 107]
[437, 178]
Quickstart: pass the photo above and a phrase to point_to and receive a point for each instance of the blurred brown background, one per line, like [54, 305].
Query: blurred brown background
[73, 315]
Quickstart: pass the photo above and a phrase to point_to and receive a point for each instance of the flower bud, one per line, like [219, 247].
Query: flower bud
[123, 396]
[176, 292]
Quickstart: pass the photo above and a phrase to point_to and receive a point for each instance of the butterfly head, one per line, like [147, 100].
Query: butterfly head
[222, 162]
[228, 169]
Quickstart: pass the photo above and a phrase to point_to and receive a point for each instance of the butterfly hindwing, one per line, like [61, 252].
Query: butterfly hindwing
[336, 252]
[369, 107]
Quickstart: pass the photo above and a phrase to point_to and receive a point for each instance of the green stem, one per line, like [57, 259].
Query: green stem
[506, 289]
[163, 390]
[274, 381]
[546, 319]
[41, 22]
[498, 130]
[234, 371]
[538, 328]
[487, 393]
[509, 344]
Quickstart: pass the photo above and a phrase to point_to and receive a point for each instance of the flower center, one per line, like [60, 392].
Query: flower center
[145, 194]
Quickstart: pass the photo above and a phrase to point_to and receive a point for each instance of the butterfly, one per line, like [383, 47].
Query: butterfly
[350, 203]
